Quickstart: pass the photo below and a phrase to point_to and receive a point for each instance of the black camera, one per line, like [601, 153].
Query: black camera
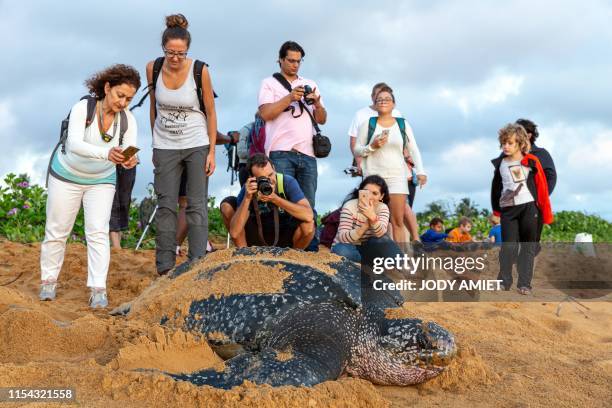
[353, 171]
[264, 186]
[308, 91]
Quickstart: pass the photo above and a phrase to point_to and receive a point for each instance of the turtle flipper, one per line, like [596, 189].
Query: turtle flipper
[268, 367]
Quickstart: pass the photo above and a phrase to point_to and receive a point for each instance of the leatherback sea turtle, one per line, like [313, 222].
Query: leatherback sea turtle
[285, 317]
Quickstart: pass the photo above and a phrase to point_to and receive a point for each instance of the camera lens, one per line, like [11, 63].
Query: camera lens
[264, 186]
[308, 91]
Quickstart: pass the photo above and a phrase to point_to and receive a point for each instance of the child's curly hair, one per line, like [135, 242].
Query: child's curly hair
[117, 74]
[513, 129]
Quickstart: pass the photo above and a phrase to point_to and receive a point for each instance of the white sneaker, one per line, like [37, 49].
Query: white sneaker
[47, 290]
[98, 299]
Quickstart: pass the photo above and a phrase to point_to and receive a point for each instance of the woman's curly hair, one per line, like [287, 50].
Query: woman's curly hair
[117, 74]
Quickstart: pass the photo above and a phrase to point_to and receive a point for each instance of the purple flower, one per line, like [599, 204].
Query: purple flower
[26, 206]
[12, 212]
[139, 225]
[23, 184]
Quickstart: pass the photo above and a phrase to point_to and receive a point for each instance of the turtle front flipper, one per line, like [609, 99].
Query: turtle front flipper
[268, 367]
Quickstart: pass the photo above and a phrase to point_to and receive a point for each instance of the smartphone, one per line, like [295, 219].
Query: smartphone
[384, 135]
[364, 196]
[129, 152]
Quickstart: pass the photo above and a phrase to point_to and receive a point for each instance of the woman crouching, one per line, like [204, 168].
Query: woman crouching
[364, 219]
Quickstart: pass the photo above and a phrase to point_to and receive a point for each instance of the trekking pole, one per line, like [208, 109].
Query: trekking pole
[146, 228]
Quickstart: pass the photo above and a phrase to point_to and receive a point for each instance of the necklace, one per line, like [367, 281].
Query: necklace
[105, 136]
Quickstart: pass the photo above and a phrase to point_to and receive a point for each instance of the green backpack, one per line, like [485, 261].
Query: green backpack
[401, 122]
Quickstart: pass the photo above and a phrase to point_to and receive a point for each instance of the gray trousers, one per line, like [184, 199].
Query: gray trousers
[169, 165]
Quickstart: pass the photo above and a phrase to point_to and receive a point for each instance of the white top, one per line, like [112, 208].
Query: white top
[388, 161]
[180, 124]
[86, 155]
[364, 115]
[514, 175]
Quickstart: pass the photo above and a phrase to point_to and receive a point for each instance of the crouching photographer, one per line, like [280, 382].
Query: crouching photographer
[270, 210]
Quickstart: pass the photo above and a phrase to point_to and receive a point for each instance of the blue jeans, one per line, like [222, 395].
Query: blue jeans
[349, 251]
[383, 247]
[301, 167]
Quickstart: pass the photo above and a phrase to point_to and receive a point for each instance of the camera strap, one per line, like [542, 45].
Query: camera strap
[259, 226]
[283, 81]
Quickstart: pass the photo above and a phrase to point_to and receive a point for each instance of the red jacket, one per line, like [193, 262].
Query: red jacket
[536, 183]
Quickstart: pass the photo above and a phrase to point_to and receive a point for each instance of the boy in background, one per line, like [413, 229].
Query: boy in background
[495, 235]
[434, 237]
[462, 232]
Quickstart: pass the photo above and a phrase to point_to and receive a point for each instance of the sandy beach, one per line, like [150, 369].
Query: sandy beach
[511, 354]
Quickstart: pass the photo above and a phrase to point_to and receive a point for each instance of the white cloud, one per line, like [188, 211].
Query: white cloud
[493, 91]
[323, 168]
[33, 164]
[7, 119]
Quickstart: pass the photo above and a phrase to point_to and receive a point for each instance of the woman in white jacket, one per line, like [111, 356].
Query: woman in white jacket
[84, 173]
[384, 152]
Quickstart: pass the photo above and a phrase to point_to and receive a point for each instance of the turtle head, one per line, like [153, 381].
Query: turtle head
[423, 349]
[407, 351]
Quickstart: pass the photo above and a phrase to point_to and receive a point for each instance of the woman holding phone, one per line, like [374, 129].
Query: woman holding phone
[84, 172]
[364, 218]
[184, 129]
[384, 153]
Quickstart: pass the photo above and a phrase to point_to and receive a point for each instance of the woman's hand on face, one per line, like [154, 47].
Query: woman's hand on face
[115, 156]
[130, 163]
[367, 209]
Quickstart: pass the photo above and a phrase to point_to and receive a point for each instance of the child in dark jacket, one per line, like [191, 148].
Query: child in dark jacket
[519, 195]
[434, 237]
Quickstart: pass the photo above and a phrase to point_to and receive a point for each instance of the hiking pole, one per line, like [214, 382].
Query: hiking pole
[146, 228]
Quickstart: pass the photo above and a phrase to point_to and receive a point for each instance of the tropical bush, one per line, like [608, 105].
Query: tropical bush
[567, 223]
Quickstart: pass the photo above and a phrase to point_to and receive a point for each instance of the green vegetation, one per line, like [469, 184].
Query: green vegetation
[567, 223]
[22, 218]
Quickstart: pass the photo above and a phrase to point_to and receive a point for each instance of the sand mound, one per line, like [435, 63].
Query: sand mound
[41, 338]
[178, 352]
[173, 297]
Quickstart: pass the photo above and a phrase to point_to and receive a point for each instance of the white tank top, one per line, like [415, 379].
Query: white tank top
[180, 124]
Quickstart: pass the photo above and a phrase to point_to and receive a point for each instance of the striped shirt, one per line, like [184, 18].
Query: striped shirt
[351, 219]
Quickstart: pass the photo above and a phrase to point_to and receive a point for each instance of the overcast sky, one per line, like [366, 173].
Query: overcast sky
[460, 71]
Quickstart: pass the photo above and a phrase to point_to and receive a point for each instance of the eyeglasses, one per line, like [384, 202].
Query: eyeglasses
[384, 100]
[179, 55]
[294, 61]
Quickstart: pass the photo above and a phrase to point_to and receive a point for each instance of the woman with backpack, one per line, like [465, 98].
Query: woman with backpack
[83, 172]
[184, 125]
[384, 143]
